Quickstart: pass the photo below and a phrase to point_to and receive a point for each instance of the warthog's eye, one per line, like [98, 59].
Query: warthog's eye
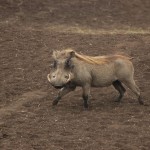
[68, 63]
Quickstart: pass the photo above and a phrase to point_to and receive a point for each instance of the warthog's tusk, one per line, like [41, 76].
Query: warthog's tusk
[69, 78]
[48, 78]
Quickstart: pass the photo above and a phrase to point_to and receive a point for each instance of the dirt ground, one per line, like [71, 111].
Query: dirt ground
[29, 31]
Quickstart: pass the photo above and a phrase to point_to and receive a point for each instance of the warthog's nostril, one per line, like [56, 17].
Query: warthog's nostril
[66, 77]
[54, 76]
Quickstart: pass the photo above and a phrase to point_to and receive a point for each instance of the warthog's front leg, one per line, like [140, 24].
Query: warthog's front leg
[65, 90]
[86, 94]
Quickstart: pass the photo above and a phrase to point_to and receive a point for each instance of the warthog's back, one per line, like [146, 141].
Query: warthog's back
[110, 69]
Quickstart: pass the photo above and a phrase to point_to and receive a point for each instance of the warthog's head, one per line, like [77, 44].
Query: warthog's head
[61, 68]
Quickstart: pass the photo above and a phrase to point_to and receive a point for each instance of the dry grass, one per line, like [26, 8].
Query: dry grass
[89, 31]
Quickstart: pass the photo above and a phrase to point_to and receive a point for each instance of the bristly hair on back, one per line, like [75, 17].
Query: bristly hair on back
[89, 59]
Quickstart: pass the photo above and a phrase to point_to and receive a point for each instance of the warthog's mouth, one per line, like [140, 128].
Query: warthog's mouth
[61, 86]
[58, 87]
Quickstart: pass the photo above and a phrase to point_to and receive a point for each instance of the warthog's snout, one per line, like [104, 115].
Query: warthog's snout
[58, 81]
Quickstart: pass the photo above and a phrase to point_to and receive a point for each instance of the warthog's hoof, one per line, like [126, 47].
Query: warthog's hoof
[55, 102]
[141, 102]
[86, 106]
[117, 100]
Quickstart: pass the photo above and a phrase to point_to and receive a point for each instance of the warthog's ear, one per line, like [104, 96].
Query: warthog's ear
[68, 63]
[71, 55]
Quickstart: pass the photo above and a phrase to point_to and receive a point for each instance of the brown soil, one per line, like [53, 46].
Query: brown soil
[29, 31]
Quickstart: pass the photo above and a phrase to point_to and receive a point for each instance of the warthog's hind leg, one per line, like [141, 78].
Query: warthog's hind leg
[130, 83]
[119, 87]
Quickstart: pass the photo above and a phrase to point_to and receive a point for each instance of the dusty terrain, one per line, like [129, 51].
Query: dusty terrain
[29, 31]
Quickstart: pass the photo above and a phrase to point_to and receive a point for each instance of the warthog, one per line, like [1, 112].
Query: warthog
[71, 69]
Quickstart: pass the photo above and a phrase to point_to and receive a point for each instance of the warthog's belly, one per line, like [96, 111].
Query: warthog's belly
[102, 83]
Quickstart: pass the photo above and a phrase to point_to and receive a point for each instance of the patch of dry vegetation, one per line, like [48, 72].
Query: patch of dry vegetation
[86, 31]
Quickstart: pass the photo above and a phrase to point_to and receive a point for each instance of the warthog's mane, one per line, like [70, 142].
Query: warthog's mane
[88, 59]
